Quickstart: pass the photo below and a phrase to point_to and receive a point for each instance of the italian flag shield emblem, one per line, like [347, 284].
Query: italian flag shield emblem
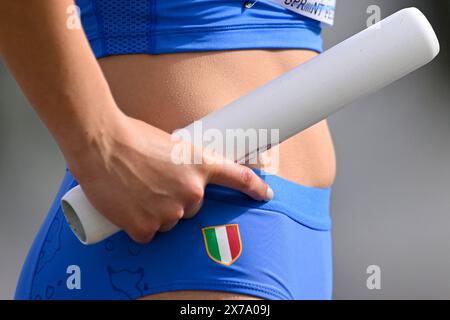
[223, 243]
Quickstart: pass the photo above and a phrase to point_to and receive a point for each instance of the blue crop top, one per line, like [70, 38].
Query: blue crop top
[116, 27]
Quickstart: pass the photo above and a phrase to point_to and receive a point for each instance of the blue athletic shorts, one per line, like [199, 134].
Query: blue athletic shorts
[275, 250]
[166, 26]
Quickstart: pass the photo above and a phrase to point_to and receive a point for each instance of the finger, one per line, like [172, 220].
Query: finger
[141, 238]
[142, 231]
[167, 226]
[193, 210]
[240, 178]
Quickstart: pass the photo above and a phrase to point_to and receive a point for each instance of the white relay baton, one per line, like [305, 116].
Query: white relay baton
[358, 66]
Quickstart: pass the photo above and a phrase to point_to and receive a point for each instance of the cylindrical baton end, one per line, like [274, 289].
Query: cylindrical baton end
[85, 221]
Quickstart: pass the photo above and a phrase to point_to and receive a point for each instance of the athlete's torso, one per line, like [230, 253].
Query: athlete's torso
[171, 91]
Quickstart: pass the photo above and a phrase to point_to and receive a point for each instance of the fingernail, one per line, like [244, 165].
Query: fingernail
[269, 194]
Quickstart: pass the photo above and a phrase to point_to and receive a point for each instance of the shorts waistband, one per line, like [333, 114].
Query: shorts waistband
[308, 206]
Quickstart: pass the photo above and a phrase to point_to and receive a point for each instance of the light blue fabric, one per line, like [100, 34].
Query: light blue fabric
[286, 251]
[160, 26]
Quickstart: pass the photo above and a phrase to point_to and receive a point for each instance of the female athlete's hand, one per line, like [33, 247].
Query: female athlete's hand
[128, 175]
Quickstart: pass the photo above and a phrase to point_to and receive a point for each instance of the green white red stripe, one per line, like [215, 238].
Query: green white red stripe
[223, 243]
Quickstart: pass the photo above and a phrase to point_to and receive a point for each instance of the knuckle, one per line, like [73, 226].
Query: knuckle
[140, 237]
[196, 193]
[177, 214]
[151, 228]
[193, 191]
[167, 227]
[172, 214]
[192, 210]
[144, 232]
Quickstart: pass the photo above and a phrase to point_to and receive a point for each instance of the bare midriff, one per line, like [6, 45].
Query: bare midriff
[171, 91]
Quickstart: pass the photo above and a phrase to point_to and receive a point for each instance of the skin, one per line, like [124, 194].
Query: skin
[112, 118]
[177, 89]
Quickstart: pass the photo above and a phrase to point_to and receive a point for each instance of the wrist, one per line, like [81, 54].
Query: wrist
[84, 143]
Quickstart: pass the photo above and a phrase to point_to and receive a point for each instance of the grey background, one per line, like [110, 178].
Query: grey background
[391, 200]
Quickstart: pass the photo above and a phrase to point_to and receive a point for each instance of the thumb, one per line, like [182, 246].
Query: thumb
[241, 178]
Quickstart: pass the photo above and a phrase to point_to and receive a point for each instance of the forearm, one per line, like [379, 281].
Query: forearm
[57, 71]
